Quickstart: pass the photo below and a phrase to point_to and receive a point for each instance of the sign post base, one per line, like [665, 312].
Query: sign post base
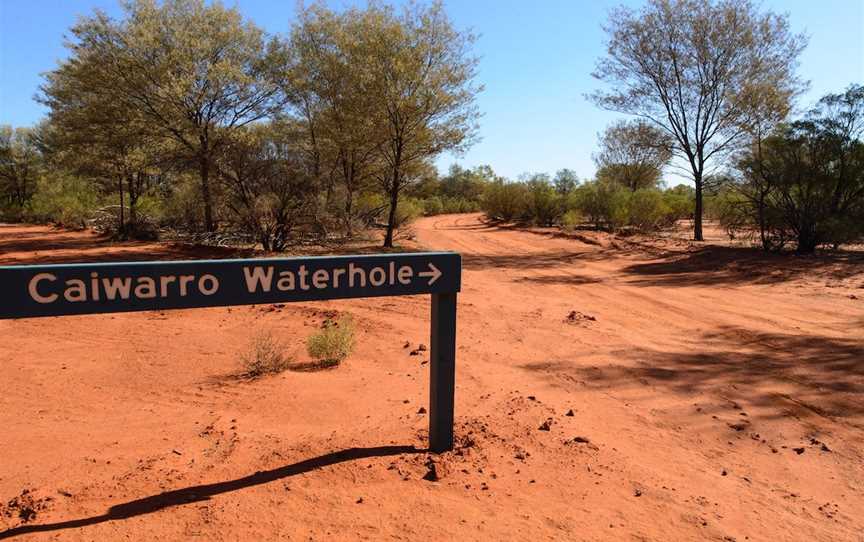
[442, 369]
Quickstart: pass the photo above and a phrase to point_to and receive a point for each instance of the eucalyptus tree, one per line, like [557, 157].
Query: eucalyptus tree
[188, 72]
[421, 71]
[633, 154]
[699, 70]
[327, 87]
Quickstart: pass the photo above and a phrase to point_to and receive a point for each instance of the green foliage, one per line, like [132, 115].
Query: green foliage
[571, 219]
[806, 180]
[334, 342]
[646, 209]
[504, 200]
[545, 204]
[370, 207]
[680, 202]
[407, 211]
[603, 203]
[64, 200]
[432, 206]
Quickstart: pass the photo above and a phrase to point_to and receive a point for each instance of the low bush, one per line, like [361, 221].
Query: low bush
[504, 200]
[646, 210]
[333, 343]
[571, 219]
[64, 200]
[264, 356]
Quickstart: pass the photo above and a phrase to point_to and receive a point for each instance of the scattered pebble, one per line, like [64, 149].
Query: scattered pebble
[547, 425]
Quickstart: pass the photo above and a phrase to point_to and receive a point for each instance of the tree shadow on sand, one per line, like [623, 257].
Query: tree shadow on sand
[715, 265]
[203, 492]
[781, 372]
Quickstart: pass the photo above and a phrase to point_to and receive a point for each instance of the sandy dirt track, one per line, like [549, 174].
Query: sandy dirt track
[607, 389]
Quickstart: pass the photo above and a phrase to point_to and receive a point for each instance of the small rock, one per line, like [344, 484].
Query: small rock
[581, 440]
[406, 345]
[739, 426]
[798, 451]
[546, 426]
[431, 472]
[853, 296]
[723, 472]
[637, 492]
[825, 448]
[421, 347]
[421, 410]
[570, 413]
[532, 398]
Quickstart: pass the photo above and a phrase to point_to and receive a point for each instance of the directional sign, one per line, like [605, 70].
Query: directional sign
[55, 290]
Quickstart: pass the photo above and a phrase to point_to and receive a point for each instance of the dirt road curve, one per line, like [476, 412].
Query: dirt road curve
[606, 390]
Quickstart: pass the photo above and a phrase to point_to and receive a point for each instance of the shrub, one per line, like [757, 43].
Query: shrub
[545, 204]
[647, 211]
[370, 207]
[571, 219]
[504, 200]
[64, 200]
[602, 203]
[333, 343]
[432, 206]
[680, 203]
[264, 356]
[407, 211]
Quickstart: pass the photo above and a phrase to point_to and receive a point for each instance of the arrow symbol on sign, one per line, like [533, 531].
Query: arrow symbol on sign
[433, 272]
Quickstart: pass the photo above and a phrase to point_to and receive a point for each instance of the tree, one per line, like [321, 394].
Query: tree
[565, 181]
[20, 161]
[189, 72]
[268, 188]
[420, 71]
[633, 154]
[100, 140]
[326, 89]
[702, 71]
[806, 180]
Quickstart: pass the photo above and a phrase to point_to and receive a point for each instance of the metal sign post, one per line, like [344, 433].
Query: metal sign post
[28, 291]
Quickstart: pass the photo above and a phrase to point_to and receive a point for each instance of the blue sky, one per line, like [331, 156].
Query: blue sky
[536, 60]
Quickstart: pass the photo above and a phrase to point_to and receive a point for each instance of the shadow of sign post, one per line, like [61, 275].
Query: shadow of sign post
[29, 291]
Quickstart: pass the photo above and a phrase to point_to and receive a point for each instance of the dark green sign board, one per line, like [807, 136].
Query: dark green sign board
[28, 291]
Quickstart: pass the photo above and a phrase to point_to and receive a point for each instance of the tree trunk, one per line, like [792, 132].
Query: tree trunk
[133, 202]
[391, 219]
[205, 193]
[761, 213]
[807, 241]
[121, 227]
[697, 217]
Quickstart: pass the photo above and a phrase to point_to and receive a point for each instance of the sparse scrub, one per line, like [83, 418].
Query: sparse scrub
[264, 356]
[505, 200]
[333, 343]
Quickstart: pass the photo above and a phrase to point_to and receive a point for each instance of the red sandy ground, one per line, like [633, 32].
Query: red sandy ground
[716, 394]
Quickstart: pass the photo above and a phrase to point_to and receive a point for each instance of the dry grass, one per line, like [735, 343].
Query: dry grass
[265, 356]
